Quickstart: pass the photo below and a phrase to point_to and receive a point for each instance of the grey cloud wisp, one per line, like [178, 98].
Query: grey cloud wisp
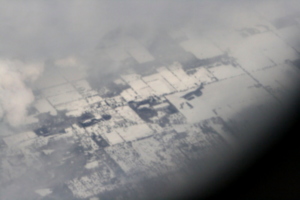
[37, 31]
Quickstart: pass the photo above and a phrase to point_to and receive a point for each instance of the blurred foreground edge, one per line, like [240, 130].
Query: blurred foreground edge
[274, 173]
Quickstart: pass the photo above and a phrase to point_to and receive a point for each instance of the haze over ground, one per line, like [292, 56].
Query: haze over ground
[42, 38]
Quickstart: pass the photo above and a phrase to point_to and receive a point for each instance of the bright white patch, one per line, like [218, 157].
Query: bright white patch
[91, 165]
[43, 192]
[135, 132]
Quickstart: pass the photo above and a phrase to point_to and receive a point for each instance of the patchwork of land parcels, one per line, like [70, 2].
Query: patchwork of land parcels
[173, 100]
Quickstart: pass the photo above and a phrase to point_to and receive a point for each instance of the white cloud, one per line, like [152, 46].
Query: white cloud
[15, 96]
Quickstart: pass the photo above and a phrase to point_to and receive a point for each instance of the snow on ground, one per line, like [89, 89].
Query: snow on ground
[177, 70]
[115, 101]
[75, 107]
[126, 157]
[113, 138]
[254, 60]
[78, 130]
[129, 94]
[158, 84]
[261, 113]
[93, 99]
[155, 157]
[89, 144]
[171, 78]
[199, 110]
[90, 185]
[134, 132]
[128, 78]
[267, 44]
[231, 91]
[219, 94]
[138, 85]
[203, 75]
[282, 81]
[91, 165]
[84, 88]
[141, 88]
[128, 114]
[230, 94]
[48, 151]
[225, 71]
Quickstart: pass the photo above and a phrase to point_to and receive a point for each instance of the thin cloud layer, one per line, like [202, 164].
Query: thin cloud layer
[38, 35]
